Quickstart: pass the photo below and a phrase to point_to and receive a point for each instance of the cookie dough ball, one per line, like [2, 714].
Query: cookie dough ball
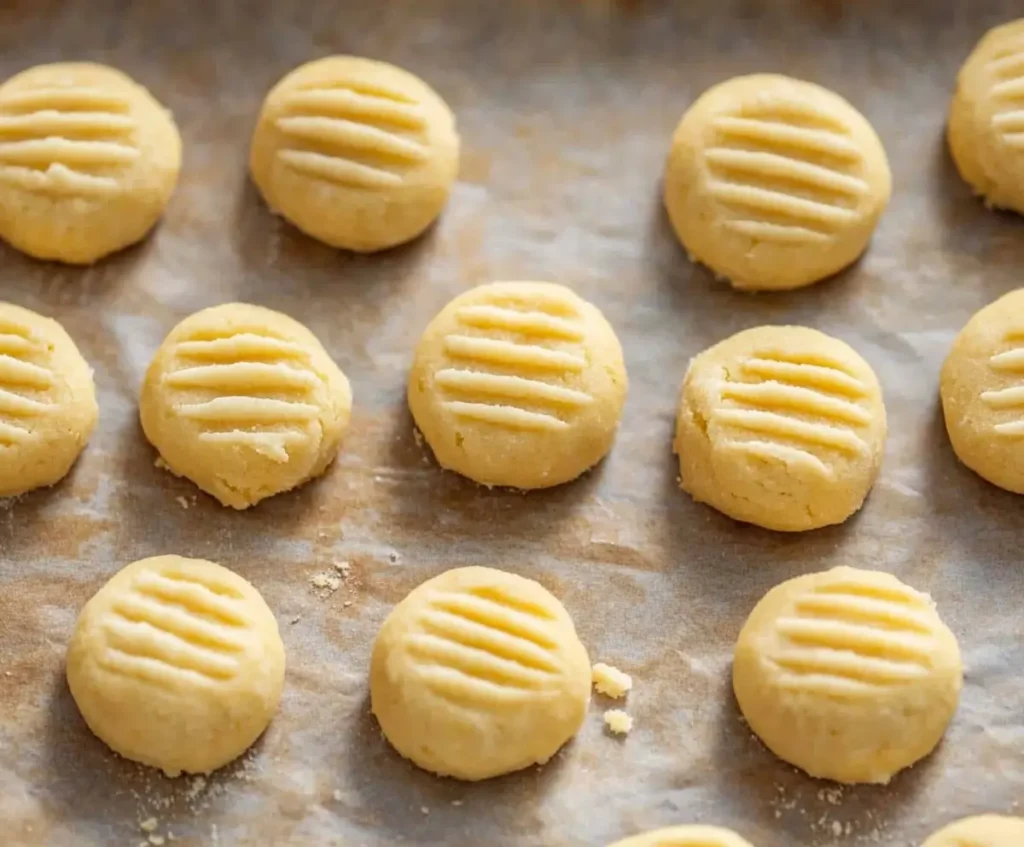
[685, 836]
[986, 123]
[849, 675]
[518, 384]
[88, 161]
[479, 673]
[47, 401]
[780, 426]
[176, 663]
[774, 183]
[358, 154]
[982, 390]
[245, 402]
[982, 831]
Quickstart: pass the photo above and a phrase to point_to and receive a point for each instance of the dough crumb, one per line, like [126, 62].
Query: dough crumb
[610, 681]
[156, 840]
[182, 502]
[344, 568]
[337, 795]
[161, 464]
[149, 824]
[618, 721]
[325, 583]
[425, 810]
[456, 802]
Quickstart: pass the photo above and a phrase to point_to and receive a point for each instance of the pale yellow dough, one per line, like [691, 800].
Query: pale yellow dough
[982, 390]
[518, 384]
[780, 426]
[849, 674]
[47, 401]
[981, 831]
[245, 402]
[356, 153]
[478, 673]
[176, 663]
[774, 183]
[986, 122]
[88, 161]
[685, 836]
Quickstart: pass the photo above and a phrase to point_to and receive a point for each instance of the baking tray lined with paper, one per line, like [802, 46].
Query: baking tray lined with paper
[565, 110]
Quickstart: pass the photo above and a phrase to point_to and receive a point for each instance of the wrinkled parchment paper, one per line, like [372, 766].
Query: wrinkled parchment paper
[565, 108]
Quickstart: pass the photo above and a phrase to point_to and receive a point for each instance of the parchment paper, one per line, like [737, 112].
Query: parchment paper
[565, 109]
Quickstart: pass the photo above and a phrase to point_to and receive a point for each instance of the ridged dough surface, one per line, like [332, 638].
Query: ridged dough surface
[245, 402]
[518, 384]
[176, 663]
[849, 674]
[479, 673]
[782, 427]
[774, 183]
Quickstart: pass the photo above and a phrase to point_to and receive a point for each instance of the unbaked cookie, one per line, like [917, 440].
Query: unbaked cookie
[849, 674]
[88, 161]
[47, 401]
[245, 402]
[982, 390]
[986, 122]
[176, 663]
[518, 384]
[685, 836]
[780, 426]
[774, 183]
[981, 831]
[479, 673]
[356, 153]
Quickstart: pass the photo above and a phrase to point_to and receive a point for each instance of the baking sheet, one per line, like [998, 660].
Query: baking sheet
[565, 109]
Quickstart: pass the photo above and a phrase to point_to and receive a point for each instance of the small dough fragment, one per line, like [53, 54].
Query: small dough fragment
[478, 673]
[618, 721]
[982, 390]
[685, 836]
[610, 681]
[774, 183]
[981, 831]
[245, 402]
[986, 126]
[849, 674]
[176, 663]
[356, 153]
[88, 161]
[47, 401]
[781, 426]
[518, 384]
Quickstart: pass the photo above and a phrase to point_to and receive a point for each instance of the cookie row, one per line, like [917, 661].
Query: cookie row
[772, 182]
[849, 675]
[519, 385]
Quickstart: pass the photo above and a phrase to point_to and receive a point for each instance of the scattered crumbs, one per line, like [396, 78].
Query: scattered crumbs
[296, 619]
[610, 681]
[337, 795]
[149, 825]
[156, 840]
[618, 721]
[347, 603]
[344, 568]
[456, 802]
[195, 788]
[425, 810]
[832, 796]
[837, 828]
[182, 502]
[417, 436]
[161, 464]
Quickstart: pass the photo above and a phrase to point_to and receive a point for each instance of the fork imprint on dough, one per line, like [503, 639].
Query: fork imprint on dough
[799, 409]
[353, 134]
[170, 628]
[70, 141]
[484, 649]
[27, 383]
[246, 387]
[785, 172]
[510, 365]
[1006, 93]
[1011, 398]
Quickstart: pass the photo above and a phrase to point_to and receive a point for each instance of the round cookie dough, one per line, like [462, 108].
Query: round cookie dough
[176, 663]
[685, 836]
[774, 183]
[982, 389]
[986, 124]
[478, 673]
[356, 153]
[88, 161]
[245, 402]
[780, 426]
[981, 831]
[518, 384]
[849, 675]
[47, 401]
